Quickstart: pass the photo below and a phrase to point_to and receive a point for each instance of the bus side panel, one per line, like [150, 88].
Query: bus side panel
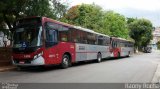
[54, 54]
[89, 52]
[131, 49]
[51, 55]
[116, 51]
[66, 47]
[104, 50]
[81, 52]
[92, 51]
[125, 51]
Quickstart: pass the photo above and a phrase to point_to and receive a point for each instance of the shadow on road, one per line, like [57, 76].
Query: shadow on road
[38, 69]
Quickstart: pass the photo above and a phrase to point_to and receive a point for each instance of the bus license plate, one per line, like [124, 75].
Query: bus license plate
[21, 62]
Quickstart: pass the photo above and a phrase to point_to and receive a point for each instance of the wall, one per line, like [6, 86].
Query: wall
[5, 57]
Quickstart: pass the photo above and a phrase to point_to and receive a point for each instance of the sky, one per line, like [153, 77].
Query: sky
[149, 9]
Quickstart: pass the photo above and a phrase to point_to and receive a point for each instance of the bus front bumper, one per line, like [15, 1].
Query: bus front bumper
[35, 62]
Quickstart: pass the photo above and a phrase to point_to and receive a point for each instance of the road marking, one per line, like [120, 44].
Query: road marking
[156, 77]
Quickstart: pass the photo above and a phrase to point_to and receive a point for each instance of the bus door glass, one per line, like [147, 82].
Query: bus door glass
[51, 35]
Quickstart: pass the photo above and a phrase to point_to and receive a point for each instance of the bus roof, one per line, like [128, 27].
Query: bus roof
[122, 39]
[58, 22]
[75, 27]
[88, 30]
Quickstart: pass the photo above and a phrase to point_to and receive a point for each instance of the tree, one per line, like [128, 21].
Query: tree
[141, 32]
[85, 15]
[59, 9]
[93, 17]
[116, 24]
[49, 8]
[158, 44]
[14, 9]
[130, 20]
[37, 8]
[9, 10]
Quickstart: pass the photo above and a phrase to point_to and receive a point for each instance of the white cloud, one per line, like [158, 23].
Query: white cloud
[116, 4]
[148, 9]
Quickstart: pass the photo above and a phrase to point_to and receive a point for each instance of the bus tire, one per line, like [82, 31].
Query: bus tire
[99, 57]
[119, 55]
[65, 61]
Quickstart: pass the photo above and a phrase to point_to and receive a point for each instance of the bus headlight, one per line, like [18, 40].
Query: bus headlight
[38, 55]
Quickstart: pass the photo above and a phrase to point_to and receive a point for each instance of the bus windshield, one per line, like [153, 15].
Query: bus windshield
[27, 36]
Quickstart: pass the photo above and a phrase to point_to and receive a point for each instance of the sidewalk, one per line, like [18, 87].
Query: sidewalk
[156, 77]
[7, 68]
[139, 53]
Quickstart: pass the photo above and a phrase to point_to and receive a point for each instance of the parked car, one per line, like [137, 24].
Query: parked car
[147, 49]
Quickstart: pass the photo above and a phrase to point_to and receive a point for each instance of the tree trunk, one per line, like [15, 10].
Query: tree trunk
[135, 49]
[6, 20]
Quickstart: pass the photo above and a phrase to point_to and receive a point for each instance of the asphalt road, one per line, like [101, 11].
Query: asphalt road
[139, 68]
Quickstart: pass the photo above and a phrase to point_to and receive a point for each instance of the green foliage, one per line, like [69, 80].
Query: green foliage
[130, 20]
[116, 24]
[158, 44]
[85, 15]
[49, 8]
[141, 32]
[13, 9]
[93, 17]
[9, 10]
[6, 32]
[37, 8]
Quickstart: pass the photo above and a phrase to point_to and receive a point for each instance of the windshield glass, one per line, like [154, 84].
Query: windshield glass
[27, 36]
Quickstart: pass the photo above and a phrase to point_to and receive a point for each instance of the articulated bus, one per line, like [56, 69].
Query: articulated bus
[43, 41]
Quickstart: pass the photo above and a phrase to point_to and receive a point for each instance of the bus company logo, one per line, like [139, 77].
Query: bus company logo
[9, 86]
[52, 56]
[81, 47]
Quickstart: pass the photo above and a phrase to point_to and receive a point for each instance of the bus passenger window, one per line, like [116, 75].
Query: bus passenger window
[64, 37]
[51, 38]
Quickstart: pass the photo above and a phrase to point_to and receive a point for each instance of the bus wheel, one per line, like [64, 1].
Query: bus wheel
[119, 55]
[99, 57]
[65, 61]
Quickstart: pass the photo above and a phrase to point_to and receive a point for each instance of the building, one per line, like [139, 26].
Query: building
[156, 37]
[1, 39]
[4, 41]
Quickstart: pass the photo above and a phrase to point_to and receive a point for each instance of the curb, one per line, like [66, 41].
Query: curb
[7, 68]
[156, 77]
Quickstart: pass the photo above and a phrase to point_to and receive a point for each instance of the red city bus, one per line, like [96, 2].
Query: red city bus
[43, 41]
[121, 47]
